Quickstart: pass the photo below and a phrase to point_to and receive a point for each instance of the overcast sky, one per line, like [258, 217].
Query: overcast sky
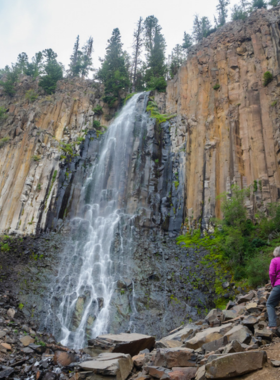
[33, 25]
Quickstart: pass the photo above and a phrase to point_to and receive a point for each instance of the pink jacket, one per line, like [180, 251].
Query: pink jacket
[274, 271]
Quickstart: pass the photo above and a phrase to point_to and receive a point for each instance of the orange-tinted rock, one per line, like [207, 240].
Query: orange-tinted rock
[64, 358]
[182, 373]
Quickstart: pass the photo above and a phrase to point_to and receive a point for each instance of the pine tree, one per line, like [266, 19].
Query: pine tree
[53, 71]
[113, 72]
[178, 56]
[155, 47]
[22, 61]
[201, 28]
[137, 48]
[187, 42]
[34, 68]
[258, 4]
[222, 11]
[81, 60]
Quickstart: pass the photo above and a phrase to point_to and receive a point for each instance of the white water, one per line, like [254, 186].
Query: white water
[87, 276]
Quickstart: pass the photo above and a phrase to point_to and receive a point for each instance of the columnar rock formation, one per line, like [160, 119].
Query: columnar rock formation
[233, 130]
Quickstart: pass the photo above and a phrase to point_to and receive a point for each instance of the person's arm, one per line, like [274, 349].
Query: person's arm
[272, 272]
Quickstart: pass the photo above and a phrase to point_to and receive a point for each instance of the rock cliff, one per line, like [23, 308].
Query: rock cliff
[233, 131]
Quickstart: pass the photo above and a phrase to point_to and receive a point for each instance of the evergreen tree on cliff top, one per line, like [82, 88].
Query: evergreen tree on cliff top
[113, 72]
[81, 60]
[155, 47]
[53, 71]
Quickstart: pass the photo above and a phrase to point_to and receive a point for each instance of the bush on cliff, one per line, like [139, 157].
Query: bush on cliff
[267, 78]
[10, 77]
[238, 243]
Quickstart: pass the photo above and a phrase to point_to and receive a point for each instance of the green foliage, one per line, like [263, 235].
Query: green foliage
[239, 245]
[255, 186]
[216, 87]
[178, 55]
[274, 3]
[81, 60]
[31, 96]
[4, 247]
[222, 12]
[39, 187]
[4, 141]
[36, 158]
[153, 109]
[96, 124]
[258, 4]
[176, 184]
[113, 72]
[53, 71]
[11, 77]
[98, 110]
[20, 306]
[273, 104]
[158, 84]
[267, 78]
[238, 13]
[3, 113]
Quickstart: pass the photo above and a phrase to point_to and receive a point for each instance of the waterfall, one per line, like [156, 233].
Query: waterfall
[80, 299]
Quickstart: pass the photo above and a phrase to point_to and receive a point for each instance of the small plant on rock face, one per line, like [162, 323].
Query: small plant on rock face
[273, 104]
[267, 78]
[3, 113]
[31, 96]
[98, 110]
[39, 188]
[3, 141]
[96, 124]
[216, 87]
[36, 158]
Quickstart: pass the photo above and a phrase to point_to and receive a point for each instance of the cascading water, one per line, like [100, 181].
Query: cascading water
[80, 299]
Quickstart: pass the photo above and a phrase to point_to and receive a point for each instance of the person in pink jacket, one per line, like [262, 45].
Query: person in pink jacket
[274, 298]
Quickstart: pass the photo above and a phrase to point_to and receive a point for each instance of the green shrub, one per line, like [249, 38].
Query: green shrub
[36, 158]
[158, 84]
[216, 87]
[9, 83]
[31, 95]
[267, 78]
[98, 110]
[152, 107]
[39, 187]
[3, 113]
[4, 141]
[96, 124]
[273, 104]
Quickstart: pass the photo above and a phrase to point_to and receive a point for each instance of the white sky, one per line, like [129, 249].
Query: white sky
[33, 25]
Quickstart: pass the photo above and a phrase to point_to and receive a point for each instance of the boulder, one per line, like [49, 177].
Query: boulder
[233, 346]
[207, 335]
[26, 340]
[213, 315]
[235, 364]
[121, 343]
[229, 314]
[240, 309]
[110, 364]
[157, 372]
[240, 333]
[200, 374]
[216, 344]
[181, 334]
[175, 357]
[163, 343]
[252, 307]
[64, 358]
[249, 321]
[182, 373]
[246, 297]
[264, 333]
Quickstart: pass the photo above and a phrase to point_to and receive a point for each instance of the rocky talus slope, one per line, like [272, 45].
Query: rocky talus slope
[233, 343]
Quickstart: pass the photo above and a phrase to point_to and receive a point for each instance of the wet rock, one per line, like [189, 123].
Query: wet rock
[110, 364]
[175, 357]
[240, 333]
[235, 364]
[124, 343]
[26, 340]
[64, 358]
[207, 335]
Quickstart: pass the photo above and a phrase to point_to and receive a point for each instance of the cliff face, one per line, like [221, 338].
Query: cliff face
[30, 160]
[232, 132]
